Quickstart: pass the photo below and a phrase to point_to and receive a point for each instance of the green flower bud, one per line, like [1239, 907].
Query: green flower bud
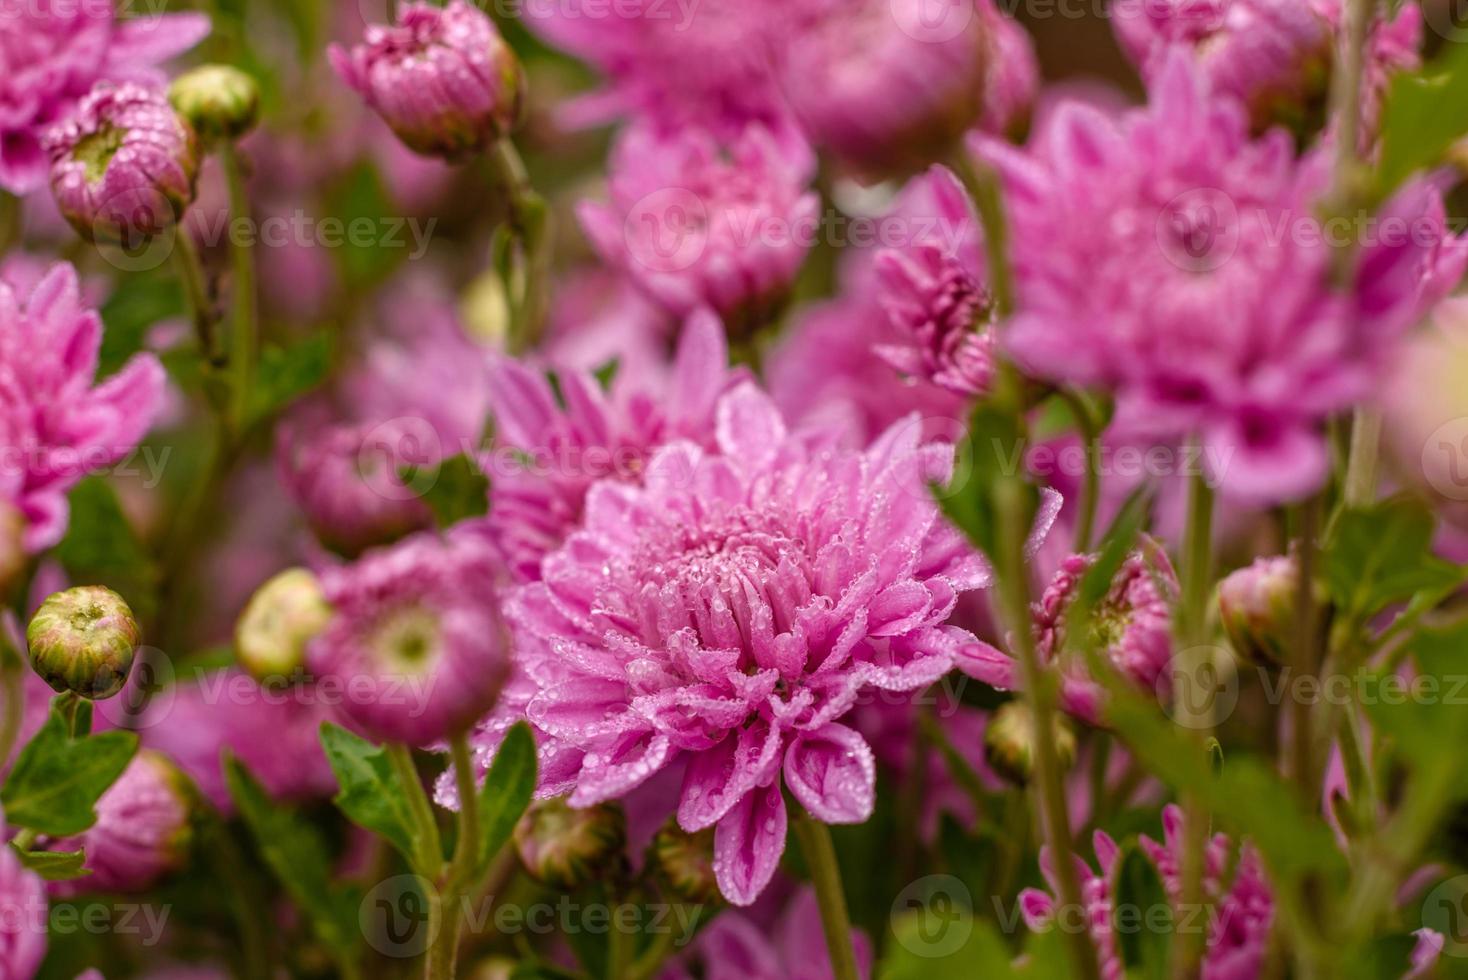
[686, 862]
[82, 640]
[280, 619]
[1009, 742]
[566, 848]
[219, 101]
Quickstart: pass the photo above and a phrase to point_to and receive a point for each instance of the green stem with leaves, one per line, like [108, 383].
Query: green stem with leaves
[820, 858]
[244, 326]
[529, 222]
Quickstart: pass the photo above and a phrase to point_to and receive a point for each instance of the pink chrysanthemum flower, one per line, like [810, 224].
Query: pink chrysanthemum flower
[1131, 629]
[699, 223]
[415, 638]
[741, 946]
[550, 448]
[56, 425]
[441, 77]
[24, 924]
[142, 831]
[727, 612]
[887, 86]
[52, 52]
[1165, 255]
[1243, 905]
[936, 300]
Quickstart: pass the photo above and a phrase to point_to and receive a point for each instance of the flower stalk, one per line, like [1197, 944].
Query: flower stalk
[825, 872]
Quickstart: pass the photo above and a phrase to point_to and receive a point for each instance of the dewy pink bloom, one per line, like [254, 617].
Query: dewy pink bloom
[549, 451]
[23, 917]
[274, 732]
[415, 640]
[1165, 255]
[56, 426]
[737, 947]
[887, 86]
[1131, 629]
[52, 52]
[697, 222]
[142, 830]
[1243, 905]
[728, 612]
[441, 77]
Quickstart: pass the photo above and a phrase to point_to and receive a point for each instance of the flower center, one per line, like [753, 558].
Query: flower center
[96, 150]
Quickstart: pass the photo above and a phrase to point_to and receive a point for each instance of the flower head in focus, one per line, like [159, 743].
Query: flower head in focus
[699, 222]
[441, 77]
[415, 638]
[728, 611]
[124, 165]
[54, 51]
[58, 424]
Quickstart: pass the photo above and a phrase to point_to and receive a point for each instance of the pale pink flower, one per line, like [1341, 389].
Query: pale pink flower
[56, 424]
[23, 925]
[52, 52]
[727, 612]
[736, 946]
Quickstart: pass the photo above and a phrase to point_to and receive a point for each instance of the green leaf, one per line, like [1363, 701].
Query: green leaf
[54, 865]
[1142, 916]
[360, 197]
[137, 303]
[1382, 554]
[507, 791]
[101, 548]
[371, 795]
[933, 940]
[57, 779]
[297, 854]
[1425, 113]
[992, 452]
[285, 374]
[459, 490]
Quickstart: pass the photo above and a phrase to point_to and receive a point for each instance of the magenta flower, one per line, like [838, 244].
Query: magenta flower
[737, 946]
[1243, 904]
[54, 52]
[888, 87]
[124, 165]
[416, 640]
[142, 831]
[698, 223]
[1165, 255]
[1131, 629]
[23, 917]
[728, 612]
[274, 732]
[55, 425]
[441, 77]
[548, 453]
[936, 301]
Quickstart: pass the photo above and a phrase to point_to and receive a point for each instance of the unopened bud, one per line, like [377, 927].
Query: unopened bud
[686, 862]
[286, 614]
[1257, 605]
[82, 640]
[566, 847]
[1009, 742]
[219, 101]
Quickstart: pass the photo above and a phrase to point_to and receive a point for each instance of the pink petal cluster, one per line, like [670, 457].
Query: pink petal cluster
[1167, 256]
[416, 641]
[124, 165]
[727, 612]
[142, 831]
[1239, 923]
[737, 946]
[52, 52]
[56, 424]
[551, 448]
[441, 77]
[699, 222]
[23, 925]
[1131, 628]
[274, 732]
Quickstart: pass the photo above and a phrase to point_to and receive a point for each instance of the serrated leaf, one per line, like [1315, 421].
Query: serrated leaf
[1141, 916]
[54, 865]
[1381, 555]
[507, 791]
[371, 795]
[459, 490]
[297, 854]
[56, 782]
[285, 374]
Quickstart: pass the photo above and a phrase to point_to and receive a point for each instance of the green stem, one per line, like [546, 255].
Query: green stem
[12, 688]
[1307, 648]
[1360, 783]
[1361, 478]
[466, 850]
[244, 329]
[429, 859]
[982, 185]
[443, 925]
[191, 277]
[529, 220]
[820, 857]
[650, 963]
[1091, 491]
